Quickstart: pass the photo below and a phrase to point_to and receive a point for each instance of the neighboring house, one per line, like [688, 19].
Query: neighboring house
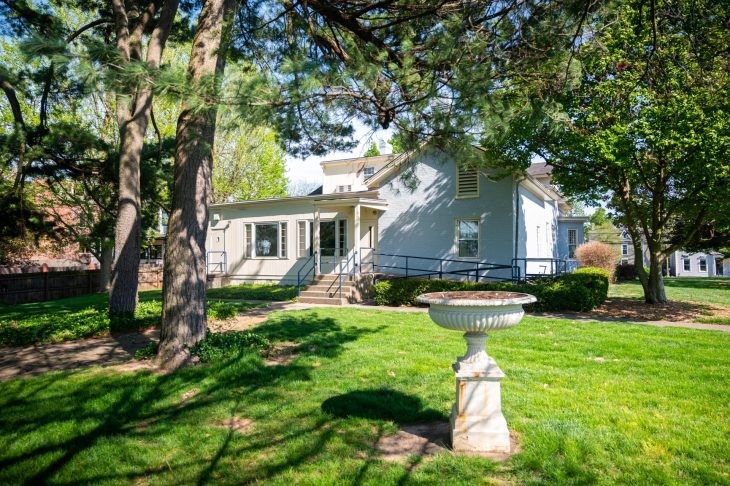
[377, 211]
[678, 264]
[684, 264]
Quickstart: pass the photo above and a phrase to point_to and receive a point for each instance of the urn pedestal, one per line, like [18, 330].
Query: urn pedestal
[477, 422]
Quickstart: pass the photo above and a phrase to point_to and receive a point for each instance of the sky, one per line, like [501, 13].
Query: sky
[309, 170]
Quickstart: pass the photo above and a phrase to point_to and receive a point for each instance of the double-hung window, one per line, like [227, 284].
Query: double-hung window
[686, 264]
[467, 238]
[368, 171]
[703, 263]
[572, 242]
[624, 249]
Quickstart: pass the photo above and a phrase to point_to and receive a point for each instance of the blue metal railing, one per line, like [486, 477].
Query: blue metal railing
[410, 266]
[302, 278]
[219, 266]
[352, 258]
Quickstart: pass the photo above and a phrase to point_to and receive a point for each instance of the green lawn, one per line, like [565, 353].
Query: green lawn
[271, 292]
[85, 316]
[704, 290]
[654, 409]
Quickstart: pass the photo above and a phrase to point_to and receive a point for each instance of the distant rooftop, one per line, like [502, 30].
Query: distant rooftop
[538, 169]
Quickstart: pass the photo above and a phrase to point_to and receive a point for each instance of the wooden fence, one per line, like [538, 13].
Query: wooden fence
[41, 286]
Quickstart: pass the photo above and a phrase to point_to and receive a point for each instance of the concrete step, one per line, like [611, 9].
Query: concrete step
[320, 300]
[317, 293]
[330, 288]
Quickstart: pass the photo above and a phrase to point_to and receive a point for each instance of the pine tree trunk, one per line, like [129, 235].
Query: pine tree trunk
[133, 121]
[185, 273]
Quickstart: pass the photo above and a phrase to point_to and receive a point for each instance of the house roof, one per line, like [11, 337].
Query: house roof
[374, 158]
[369, 195]
[538, 169]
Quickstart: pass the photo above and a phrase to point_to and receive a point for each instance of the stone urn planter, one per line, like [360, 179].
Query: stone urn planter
[477, 423]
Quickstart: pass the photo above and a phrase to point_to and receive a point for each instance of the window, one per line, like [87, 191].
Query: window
[624, 249]
[572, 242]
[304, 249]
[342, 236]
[266, 239]
[718, 266]
[703, 263]
[467, 182]
[467, 236]
[686, 264]
[247, 238]
[539, 241]
[283, 234]
[368, 172]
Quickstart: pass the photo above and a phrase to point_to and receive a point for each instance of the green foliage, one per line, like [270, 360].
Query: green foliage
[372, 150]
[86, 316]
[271, 292]
[223, 345]
[248, 164]
[578, 291]
[147, 353]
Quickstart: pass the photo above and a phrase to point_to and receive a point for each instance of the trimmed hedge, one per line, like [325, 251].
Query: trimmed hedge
[583, 290]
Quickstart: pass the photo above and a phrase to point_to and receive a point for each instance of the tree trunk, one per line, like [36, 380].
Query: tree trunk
[132, 129]
[185, 273]
[653, 281]
[105, 262]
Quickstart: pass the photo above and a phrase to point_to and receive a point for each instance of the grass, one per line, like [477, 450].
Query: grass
[270, 292]
[592, 403]
[85, 316]
[700, 289]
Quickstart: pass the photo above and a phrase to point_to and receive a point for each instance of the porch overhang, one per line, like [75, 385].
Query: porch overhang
[363, 202]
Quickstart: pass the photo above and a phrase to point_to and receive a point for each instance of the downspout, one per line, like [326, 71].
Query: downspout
[516, 209]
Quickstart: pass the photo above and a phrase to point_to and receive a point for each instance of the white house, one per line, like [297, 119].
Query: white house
[415, 214]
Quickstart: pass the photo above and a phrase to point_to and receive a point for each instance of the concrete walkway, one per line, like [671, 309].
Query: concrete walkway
[17, 362]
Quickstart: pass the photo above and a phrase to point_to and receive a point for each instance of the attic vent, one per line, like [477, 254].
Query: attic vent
[467, 182]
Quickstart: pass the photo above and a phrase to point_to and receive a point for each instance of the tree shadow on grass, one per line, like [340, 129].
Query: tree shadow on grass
[136, 410]
[381, 404]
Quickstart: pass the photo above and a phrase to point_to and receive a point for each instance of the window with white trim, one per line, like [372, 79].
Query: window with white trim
[467, 238]
[368, 171]
[467, 182]
[686, 264]
[572, 242]
[342, 236]
[304, 239]
[247, 239]
[624, 249]
[266, 239]
[703, 263]
[283, 234]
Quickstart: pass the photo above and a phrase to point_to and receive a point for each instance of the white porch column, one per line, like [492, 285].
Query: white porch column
[315, 239]
[356, 232]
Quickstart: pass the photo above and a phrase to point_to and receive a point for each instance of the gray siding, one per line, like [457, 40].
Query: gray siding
[421, 221]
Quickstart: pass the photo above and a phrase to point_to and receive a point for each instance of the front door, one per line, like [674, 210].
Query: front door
[332, 245]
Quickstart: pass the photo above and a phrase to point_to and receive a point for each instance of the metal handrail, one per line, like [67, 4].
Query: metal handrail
[558, 266]
[300, 279]
[475, 268]
[352, 257]
[223, 265]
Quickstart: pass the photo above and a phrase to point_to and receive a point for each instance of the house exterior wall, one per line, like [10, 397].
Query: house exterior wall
[562, 245]
[227, 234]
[677, 265]
[422, 220]
[349, 173]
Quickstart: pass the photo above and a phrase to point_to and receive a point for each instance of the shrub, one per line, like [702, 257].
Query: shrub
[582, 290]
[599, 255]
[220, 311]
[626, 271]
[220, 345]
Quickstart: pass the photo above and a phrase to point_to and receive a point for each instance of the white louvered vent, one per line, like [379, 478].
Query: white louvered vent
[467, 182]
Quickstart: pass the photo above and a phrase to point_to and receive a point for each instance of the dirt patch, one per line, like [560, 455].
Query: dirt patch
[282, 354]
[638, 311]
[236, 424]
[428, 440]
